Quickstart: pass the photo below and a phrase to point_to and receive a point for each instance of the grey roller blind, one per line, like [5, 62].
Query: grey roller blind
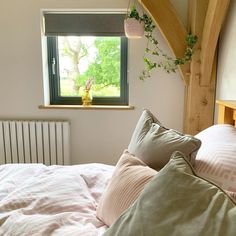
[62, 24]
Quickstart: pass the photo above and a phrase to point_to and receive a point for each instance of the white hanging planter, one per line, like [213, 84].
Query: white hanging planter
[133, 28]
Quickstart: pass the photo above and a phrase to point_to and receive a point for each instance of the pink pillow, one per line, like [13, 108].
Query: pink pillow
[216, 158]
[128, 180]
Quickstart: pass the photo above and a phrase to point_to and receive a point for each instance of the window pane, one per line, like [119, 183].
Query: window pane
[81, 58]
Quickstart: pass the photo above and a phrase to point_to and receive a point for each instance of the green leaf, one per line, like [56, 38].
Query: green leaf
[168, 63]
[134, 13]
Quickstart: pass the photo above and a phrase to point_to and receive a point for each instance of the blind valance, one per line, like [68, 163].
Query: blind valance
[84, 24]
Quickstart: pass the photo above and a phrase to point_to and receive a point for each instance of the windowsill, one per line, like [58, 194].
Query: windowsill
[92, 107]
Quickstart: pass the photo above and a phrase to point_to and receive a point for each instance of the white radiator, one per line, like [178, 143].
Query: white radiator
[23, 141]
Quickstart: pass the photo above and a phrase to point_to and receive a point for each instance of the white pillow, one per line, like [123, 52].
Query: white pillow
[216, 158]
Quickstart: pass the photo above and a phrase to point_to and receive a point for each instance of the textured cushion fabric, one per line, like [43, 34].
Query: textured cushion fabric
[177, 202]
[154, 144]
[216, 159]
[142, 127]
[128, 180]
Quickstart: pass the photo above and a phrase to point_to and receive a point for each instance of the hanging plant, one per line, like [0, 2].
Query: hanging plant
[162, 60]
[134, 26]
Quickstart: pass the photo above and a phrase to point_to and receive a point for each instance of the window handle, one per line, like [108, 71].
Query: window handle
[53, 66]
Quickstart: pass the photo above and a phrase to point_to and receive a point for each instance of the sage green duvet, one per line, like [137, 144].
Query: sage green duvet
[177, 202]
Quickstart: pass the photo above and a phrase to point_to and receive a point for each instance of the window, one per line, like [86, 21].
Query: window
[83, 46]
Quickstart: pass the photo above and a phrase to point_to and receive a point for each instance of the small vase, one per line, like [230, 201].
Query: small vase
[133, 28]
[87, 98]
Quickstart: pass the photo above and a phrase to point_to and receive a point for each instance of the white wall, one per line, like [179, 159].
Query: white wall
[97, 135]
[226, 85]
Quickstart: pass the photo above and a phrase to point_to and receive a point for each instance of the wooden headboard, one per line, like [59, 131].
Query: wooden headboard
[227, 112]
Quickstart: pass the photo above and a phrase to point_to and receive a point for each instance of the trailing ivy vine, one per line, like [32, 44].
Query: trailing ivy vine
[153, 50]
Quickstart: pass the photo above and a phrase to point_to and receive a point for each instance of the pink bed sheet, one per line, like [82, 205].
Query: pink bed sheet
[55, 200]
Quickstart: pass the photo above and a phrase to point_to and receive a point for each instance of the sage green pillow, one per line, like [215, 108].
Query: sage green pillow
[154, 144]
[177, 202]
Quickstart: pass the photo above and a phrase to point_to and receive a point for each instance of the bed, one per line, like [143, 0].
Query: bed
[51, 200]
[96, 199]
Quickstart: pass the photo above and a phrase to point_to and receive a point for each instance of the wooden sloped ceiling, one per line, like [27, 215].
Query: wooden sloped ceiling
[205, 21]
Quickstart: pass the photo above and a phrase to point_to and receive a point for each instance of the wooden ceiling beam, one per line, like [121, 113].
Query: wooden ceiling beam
[205, 21]
[214, 18]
